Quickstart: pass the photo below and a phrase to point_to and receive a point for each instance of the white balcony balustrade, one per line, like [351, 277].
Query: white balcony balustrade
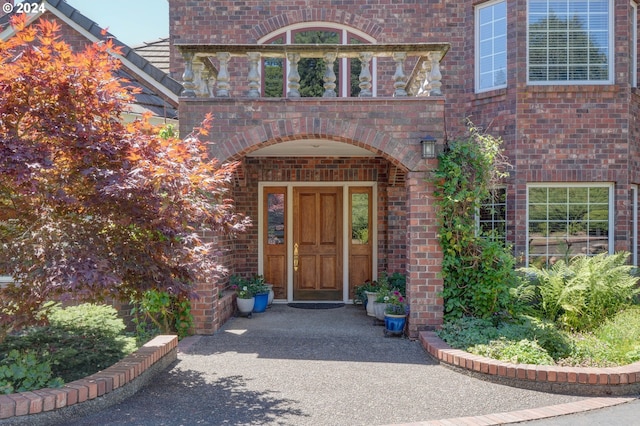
[208, 69]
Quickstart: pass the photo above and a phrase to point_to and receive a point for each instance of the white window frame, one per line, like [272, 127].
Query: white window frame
[610, 218]
[493, 204]
[634, 43]
[634, 225]
[478, 58]
[611, 61]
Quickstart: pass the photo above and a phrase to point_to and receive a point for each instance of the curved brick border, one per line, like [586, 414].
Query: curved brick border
[566, 380]
[94, 392]
[530, 414]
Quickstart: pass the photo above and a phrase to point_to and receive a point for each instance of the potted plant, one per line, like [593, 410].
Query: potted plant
[380, 302]
[245, 298]
[395, 313]
[260, 290]
[367, 294]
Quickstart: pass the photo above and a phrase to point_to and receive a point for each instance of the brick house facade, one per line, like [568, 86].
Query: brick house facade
[566, 109]
[336, 181]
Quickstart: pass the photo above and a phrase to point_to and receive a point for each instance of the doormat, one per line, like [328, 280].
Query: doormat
[316, 305]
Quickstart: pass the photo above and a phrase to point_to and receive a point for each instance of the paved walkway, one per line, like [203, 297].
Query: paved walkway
[313, 367]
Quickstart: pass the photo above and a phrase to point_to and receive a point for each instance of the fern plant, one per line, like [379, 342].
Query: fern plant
[584, 292]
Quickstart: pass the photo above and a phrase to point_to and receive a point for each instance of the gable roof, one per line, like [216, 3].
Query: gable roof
[158, 52]
[158, 91]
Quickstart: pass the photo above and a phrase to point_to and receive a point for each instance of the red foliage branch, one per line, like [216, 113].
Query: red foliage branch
[92, 207]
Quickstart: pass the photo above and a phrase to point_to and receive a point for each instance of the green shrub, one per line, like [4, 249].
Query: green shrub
[622, 335]
[21, 372]
[399, 282]
[477, 272]
[556, 342]
[519, 352]
[583, 293]
[167, 312]
[465, 332]
[89, 318]
[468, 332]
[616, 342]
[589, 351]
[75, 343]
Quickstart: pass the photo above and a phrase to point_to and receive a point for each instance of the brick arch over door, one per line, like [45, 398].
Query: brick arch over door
[403, 153]
[310, 15]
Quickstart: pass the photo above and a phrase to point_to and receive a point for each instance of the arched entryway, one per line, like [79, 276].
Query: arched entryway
[329, 160]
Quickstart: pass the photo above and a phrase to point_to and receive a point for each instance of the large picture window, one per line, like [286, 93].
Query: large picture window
[564, 221]
[570, 41]
[491, 46]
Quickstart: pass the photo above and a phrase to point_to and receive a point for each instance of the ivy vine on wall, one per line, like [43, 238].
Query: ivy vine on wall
[477, 271]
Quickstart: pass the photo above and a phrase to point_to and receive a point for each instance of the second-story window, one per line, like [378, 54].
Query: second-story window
[312, 70]
[491, 45]
[570, 42]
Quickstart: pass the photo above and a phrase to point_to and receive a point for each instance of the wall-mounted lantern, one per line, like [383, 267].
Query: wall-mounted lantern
[428, 147]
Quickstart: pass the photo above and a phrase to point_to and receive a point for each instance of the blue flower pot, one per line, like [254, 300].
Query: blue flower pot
[394, 323]
[262, 300]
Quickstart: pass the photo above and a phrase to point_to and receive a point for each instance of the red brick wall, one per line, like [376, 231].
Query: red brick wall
[567, 133]
[424, 256]
[574, 133]
[245, 22]
[389, 127]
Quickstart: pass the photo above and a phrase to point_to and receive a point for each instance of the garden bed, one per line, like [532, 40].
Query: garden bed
[93, 393]
[587, 381]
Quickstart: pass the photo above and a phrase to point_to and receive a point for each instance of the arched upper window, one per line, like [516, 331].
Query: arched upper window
[312, 70]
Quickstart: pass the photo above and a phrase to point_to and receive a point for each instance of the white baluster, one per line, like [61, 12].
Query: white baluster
[435, 76]
[329, 76]
[294, 76]
[365, 75]
[223, 75]
[254, 75]
[187, 76]
[400, 79]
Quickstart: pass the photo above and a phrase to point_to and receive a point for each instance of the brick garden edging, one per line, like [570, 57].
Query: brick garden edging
[616, 381]
[93, 393]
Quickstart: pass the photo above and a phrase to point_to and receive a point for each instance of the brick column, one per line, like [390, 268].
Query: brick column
[424, 256]
[205, 309]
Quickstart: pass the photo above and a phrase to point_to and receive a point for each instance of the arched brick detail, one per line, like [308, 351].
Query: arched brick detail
[397, 152]
[331, 15]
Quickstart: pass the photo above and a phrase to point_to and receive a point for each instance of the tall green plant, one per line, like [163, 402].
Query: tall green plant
[169, 313]
[586, 291]
[477, 271]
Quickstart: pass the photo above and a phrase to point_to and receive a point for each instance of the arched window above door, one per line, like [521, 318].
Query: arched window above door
[311, 70]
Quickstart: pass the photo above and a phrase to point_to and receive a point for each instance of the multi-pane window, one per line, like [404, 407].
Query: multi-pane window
[491, 45]
[564, 221]
[492, 216]
[570, 41]
[312, 70]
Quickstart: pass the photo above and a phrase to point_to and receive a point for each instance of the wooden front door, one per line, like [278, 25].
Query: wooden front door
[317, 243]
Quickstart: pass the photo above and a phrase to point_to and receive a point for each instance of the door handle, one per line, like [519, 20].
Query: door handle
[295, 257]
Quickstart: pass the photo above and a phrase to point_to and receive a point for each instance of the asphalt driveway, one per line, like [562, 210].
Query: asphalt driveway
[292, 366]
